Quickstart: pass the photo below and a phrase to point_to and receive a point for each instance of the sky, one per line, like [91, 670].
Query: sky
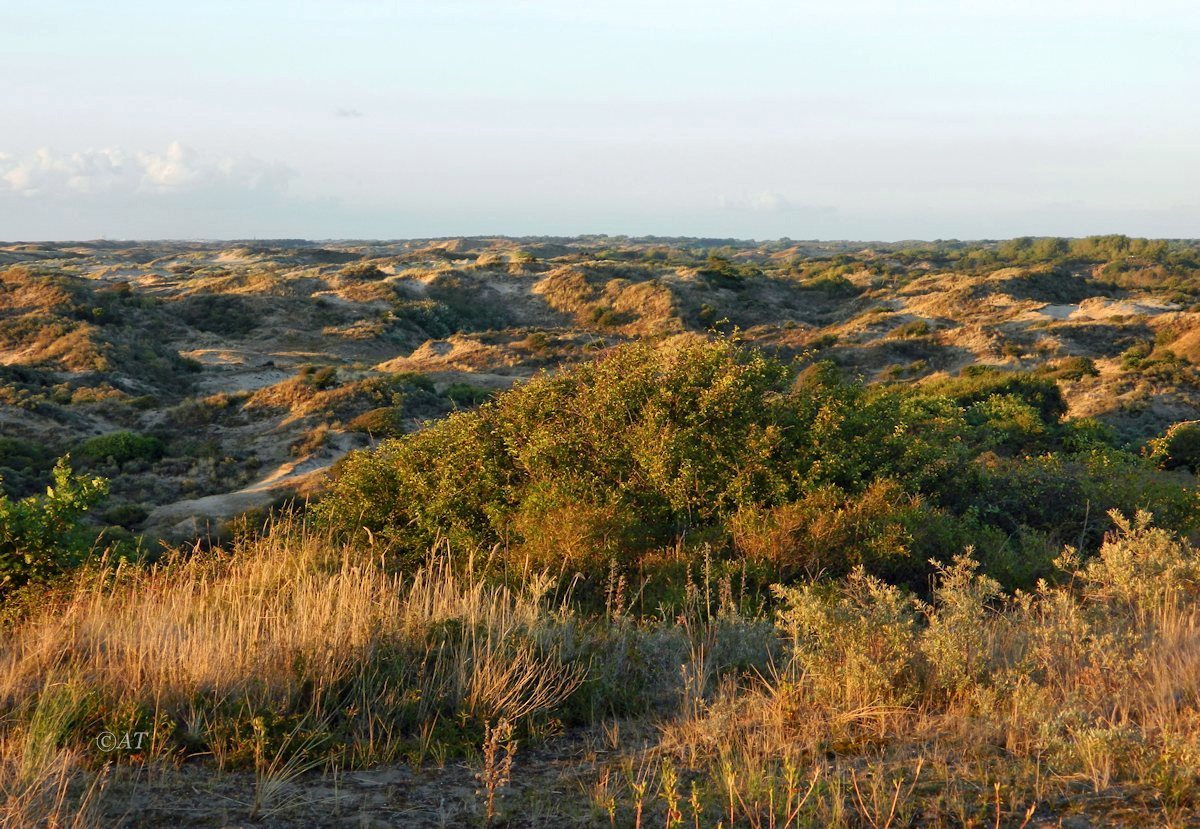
[859, 119]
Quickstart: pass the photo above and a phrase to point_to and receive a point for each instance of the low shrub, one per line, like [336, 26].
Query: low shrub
[42, 536]
[381, 422]
[366, 271]
[465, 394]
[224, 314]
[23, 465]
[124, 515]
[120, 447]
[1073, 368]
[855, 641]
[913, 328]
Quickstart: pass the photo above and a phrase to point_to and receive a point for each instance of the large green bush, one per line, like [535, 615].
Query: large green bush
[703, 441]
[671, 438]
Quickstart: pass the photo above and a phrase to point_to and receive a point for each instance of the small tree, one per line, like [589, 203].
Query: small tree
[41, 536]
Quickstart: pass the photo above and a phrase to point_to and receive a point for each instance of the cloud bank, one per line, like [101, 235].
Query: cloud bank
[115, 171]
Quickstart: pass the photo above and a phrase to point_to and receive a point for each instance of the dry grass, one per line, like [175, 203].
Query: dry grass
[41, 784]
[976, 708]
[286, 650]
[600, 298]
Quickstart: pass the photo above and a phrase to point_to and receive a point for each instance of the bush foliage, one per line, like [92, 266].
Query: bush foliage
[804, 472]
[120, 447]
[41, 535]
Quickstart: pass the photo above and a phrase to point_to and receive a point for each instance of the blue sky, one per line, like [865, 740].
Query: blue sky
[861, 119]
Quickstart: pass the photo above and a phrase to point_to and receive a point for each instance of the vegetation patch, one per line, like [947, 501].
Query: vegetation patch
[660, 446]
[120, 447]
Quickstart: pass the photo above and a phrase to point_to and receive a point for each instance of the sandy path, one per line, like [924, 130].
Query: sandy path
[195, 516]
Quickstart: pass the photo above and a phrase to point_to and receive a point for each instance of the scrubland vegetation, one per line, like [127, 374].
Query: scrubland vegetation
[686, 573]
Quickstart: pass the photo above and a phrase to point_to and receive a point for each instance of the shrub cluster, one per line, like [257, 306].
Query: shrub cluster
[120, 447]
[695, 441]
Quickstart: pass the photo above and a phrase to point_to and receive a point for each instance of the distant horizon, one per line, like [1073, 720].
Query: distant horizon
[575, 237]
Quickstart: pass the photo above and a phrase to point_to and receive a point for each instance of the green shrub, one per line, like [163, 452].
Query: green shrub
[1073, 368]
[1087, 433]
[604, 317]
[1122, 481]
[676, 437]
[465, 394]
[1065, 496]
[823, 341]
[1135, 356]
[193, 412]
[720, 272]
[367, 271]
[124, 515]
[467, 303]
[120, 447]
[833, 285]
[978, 383]
[562, 525]
[828, 533]
[697, 441]
[41, 535]
[230, 316]
[425, 319]
[1009, 421]
[318, 377]
[382, 422]
[536, 341]
[23, 463]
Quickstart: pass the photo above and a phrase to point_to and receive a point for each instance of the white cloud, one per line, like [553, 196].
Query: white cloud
[177, 169]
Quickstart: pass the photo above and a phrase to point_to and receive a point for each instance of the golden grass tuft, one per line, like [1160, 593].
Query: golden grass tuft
[319, 636]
